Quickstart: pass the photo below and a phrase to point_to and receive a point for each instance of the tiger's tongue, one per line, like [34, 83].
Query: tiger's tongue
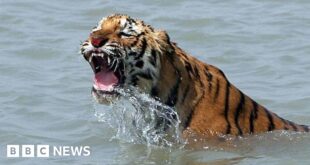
[105, 80]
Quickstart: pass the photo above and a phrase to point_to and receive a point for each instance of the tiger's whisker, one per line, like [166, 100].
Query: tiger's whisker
[115, 65]
[115, 69]
[111, 66]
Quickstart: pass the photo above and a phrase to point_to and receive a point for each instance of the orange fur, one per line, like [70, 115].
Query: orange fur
[206, 102]
[216, 107]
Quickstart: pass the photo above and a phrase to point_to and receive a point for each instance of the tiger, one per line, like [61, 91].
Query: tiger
[126, 52]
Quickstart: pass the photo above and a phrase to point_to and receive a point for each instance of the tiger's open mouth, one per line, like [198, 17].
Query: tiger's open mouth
[109, 73]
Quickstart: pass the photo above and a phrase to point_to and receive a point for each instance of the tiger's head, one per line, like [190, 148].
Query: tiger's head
[124, 52]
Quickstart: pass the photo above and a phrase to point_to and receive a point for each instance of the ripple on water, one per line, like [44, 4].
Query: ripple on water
[262, 46]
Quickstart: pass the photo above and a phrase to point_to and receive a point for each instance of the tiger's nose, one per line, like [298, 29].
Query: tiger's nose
[98, 42]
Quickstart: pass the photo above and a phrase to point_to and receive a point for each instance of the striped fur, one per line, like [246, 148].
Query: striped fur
[206, 102]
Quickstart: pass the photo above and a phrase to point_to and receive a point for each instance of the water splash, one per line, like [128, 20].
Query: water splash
[138, 118]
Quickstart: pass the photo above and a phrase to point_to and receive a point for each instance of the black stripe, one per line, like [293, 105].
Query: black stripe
[145, 75]
[124, 34]
[126, 23]
[208, 74]
[139, 64]
[185, 56]
[134, 80]
[132, 54]
[198, 76]
[133, 21]
[154, 91]
[227, 108]
[271, 124]
[173, 94]
[170, 56]
[189, 117]
[153, 59]
[188, 120]
[284, 122]
[209, 77]
[188, 67]
[132, 70]
[217, 90]
[306, 128]
[222, 73]
[135, 42]
[253, 116]
[144, 44]
[140, 34]
[197, 72]
[138, 38]
[185, 94]
[293, 125]
[238, 111]
[168, 39]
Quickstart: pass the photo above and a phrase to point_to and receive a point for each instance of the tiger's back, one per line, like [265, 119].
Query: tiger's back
[211, 105]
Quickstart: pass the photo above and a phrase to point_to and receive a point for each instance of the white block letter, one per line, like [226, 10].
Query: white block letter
[27, 151]
[12, 151]
[43, 151]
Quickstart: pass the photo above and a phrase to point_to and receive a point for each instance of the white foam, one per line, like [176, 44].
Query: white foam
[138, 118]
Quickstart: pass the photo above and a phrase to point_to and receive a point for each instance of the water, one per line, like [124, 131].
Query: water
[140, 119]
[262, 46]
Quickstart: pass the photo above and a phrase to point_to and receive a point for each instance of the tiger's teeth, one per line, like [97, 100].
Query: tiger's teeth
[90, 58]
[109, 61]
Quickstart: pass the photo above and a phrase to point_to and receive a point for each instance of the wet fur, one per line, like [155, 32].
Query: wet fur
[207, 103]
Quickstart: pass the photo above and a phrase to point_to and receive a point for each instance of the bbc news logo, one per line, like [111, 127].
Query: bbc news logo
[30, 151]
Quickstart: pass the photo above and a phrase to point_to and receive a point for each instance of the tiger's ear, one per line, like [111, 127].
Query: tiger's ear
[163, 40]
